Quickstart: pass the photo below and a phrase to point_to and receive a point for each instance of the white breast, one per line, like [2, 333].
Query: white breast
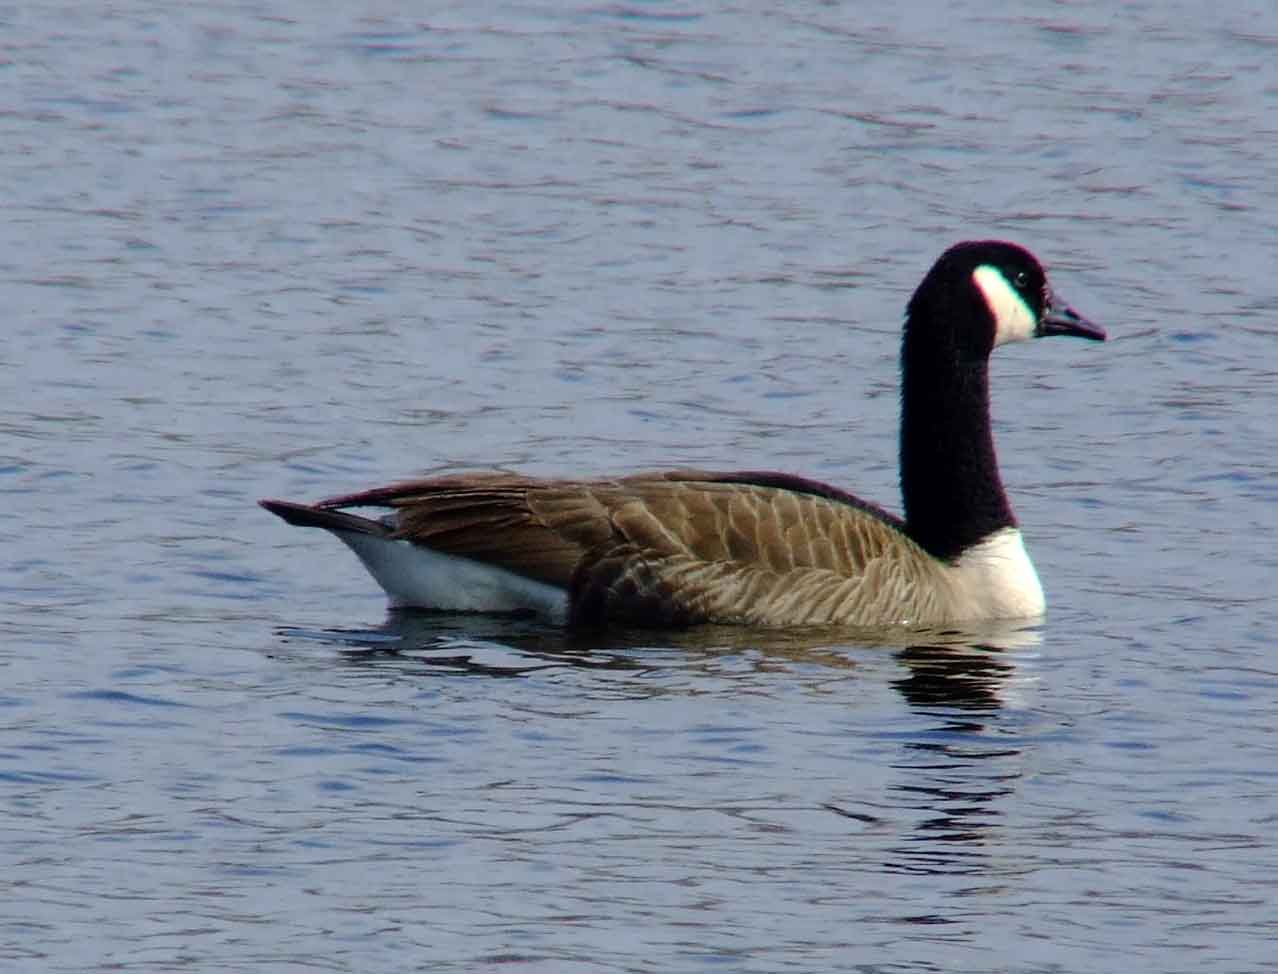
[996, 579]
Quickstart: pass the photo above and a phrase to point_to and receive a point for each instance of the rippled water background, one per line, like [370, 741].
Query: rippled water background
[293, 249]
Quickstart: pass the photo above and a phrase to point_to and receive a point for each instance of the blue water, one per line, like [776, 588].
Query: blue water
[293, 251]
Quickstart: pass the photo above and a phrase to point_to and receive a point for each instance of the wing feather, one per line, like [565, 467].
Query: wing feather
[671, 548]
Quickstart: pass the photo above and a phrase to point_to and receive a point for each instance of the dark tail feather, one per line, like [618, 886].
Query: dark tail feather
[306, 516]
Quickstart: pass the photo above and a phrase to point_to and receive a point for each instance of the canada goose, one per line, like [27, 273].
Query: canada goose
[758, 548]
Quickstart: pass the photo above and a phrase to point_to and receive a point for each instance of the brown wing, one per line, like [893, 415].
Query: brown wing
[706, 550]
[669, 548]
[487, 517]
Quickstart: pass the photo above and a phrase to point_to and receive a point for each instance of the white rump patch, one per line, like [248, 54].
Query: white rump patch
[998, 579]
[417, 577]
[1013, 320]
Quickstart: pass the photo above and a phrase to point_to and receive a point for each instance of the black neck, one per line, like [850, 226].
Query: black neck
[949, 473]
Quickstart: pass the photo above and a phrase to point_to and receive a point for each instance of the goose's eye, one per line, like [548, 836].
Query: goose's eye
[1021, 279]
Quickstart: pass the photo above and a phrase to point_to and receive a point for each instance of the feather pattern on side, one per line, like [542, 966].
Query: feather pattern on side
[678, 547]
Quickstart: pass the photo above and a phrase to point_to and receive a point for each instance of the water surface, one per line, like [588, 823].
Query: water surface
[255, 252]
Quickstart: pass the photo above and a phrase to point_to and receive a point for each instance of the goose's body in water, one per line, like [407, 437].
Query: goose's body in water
[680, 547]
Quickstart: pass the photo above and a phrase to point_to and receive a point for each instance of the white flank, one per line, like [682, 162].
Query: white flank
[997, 578]
[417, 577]
[1013, 320]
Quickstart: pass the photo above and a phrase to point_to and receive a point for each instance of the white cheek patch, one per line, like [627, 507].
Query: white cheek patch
[1013, 320]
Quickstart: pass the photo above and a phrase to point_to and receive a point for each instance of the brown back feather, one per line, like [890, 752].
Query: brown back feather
[668, 548]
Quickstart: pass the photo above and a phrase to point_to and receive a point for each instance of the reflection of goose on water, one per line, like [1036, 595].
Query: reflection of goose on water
[972, 668]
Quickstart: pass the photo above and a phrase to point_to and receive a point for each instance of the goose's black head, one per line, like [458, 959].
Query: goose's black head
[985, 293]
